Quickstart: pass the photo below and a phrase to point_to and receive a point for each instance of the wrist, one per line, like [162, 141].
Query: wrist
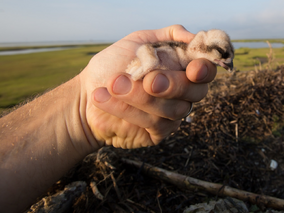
[40, 142]
[78, 130]
[90, 115]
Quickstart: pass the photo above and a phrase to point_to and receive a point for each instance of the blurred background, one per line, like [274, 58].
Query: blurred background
[45, 43]
[232, 136]
[108, 21]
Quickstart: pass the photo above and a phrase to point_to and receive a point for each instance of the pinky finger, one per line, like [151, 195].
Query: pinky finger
[120, 109]
[157, 127]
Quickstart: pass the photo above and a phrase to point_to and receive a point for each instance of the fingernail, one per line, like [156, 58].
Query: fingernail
[101, 95]
[122, 85]
[202, 73]
[160, 84]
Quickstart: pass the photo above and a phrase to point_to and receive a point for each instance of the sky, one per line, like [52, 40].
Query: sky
[109, 20]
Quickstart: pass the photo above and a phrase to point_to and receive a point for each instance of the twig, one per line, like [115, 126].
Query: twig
[96, 191]
[61, 201]
[158, 193]
[270, 55]
[214, 188]
[115, 186]
[237, 132]
[140, 205]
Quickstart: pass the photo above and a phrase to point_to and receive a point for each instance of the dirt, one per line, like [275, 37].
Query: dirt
[233, 135]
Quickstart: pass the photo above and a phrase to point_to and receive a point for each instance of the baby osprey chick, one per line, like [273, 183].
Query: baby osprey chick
[214, 45]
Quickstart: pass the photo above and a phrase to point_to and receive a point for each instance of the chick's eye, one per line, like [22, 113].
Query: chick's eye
[223, 53]
[220, 50]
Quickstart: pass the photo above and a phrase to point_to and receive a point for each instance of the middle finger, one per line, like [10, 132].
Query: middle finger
[133, 93]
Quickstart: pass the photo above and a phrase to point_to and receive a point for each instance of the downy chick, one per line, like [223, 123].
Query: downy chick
[214, 45]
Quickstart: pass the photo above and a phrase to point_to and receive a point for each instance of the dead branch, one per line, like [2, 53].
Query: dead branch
[115, 186]
[61, 201]
[214, 188]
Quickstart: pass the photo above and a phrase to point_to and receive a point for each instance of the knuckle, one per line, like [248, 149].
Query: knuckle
[179, 111]
[124, 109]
[178, 26]
[143, 100]
[198, 93]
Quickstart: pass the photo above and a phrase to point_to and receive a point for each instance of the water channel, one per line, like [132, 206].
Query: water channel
[236, 45]
[27, 51]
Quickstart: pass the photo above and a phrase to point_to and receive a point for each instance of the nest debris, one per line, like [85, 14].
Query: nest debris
[233, 135]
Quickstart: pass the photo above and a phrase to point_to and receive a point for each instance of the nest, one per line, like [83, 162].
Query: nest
[232, 136]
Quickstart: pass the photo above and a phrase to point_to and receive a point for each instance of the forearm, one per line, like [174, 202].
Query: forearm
[40, 142]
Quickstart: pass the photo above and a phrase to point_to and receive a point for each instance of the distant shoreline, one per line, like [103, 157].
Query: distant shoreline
[51, 43]
[33, 47]
[23, 46]
[65, 43]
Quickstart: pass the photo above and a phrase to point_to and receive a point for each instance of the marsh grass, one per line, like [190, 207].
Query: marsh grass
[24, 76]
[247, 59]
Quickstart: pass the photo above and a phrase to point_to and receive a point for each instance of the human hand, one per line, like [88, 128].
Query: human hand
[132, 114]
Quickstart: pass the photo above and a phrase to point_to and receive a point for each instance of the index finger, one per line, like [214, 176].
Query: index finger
[191, 86]
[171, 33]
[201, 71]
[173, 85]
[174, 33]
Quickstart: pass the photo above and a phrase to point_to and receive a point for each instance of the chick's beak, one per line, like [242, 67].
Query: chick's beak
[229, 66]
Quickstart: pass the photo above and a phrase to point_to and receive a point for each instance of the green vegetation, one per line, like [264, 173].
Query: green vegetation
[247, 59]
[26, 75]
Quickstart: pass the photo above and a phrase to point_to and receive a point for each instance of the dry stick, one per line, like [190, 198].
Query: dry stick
[140, 205]
[214, 188]
[159, 202]
[237, 132]
[115, 186]
[96, 191]
[61, 201]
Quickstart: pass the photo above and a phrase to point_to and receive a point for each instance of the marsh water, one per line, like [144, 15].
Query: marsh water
[253, 45]
[27, 51]
[236, 45]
